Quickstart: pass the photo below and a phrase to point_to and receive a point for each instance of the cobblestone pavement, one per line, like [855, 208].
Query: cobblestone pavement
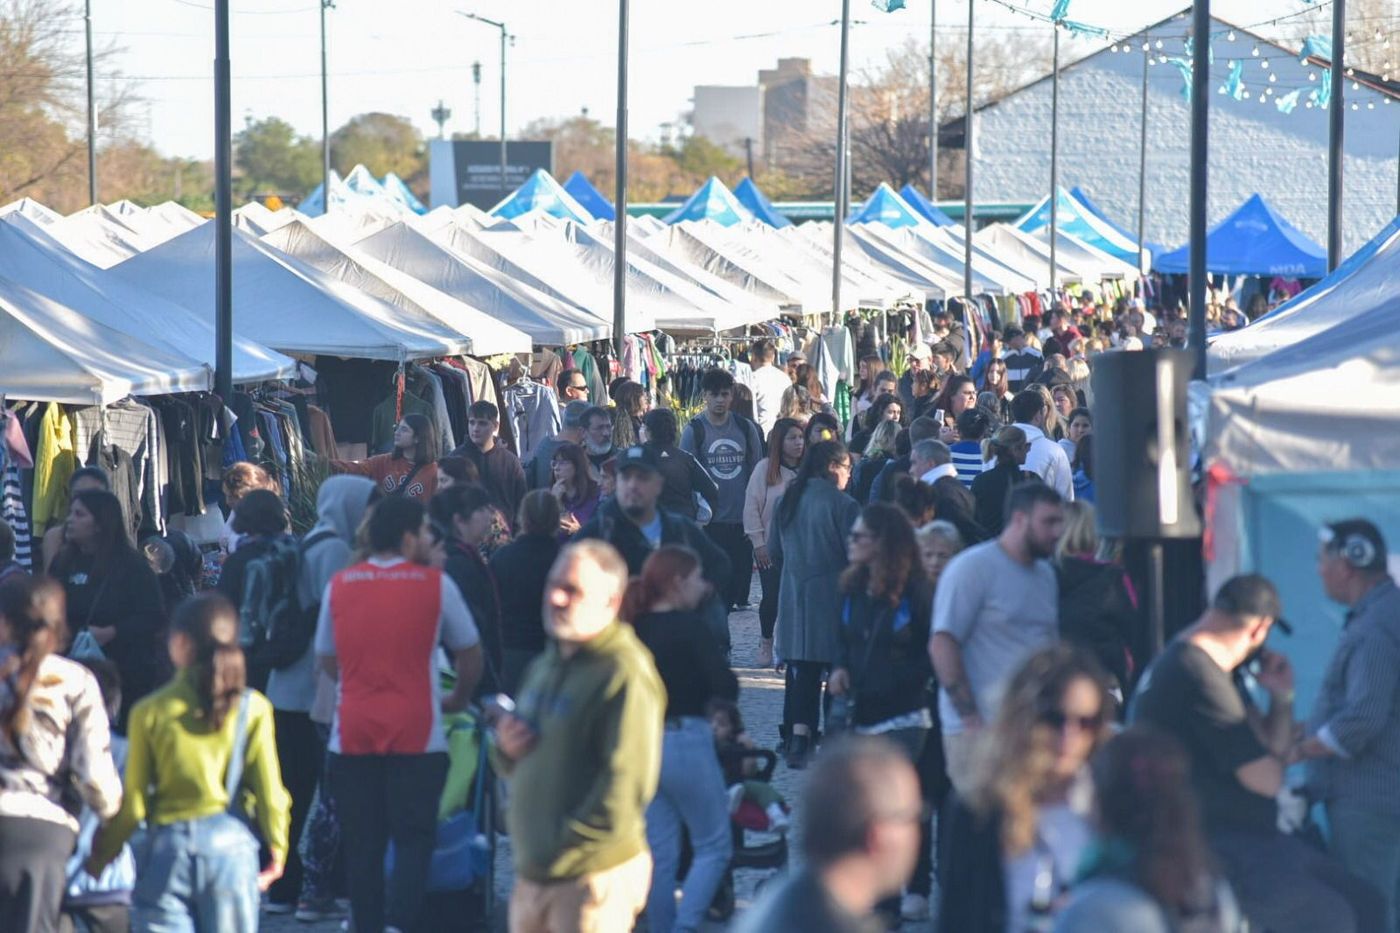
[760, 699]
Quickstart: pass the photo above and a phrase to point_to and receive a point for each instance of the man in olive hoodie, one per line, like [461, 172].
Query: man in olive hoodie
[583, 753]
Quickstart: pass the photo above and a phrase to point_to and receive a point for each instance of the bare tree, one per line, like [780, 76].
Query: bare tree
[1372, 41]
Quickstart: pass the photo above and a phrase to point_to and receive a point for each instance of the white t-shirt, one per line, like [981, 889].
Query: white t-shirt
[769, 384]
[1047, 460]
[999, 611]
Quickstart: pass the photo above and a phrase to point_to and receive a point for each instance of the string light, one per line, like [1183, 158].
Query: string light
[1273, 78]
[1264, 64]
[1230, 37]
[1255, 53]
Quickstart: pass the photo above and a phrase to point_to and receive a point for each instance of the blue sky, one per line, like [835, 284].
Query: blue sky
[401, 57]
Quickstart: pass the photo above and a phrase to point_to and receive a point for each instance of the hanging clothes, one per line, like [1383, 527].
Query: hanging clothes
[13, 513]
[533, 412]
[54, 463]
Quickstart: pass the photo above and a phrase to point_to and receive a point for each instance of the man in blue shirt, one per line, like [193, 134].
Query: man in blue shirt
[1353, 743]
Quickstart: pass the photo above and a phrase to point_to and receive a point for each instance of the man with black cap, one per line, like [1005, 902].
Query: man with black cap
[1023, 362]
[1238, 755]
[1353, 737]
[632, 523]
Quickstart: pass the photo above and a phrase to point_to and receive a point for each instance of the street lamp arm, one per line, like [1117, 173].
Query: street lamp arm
[482, 19]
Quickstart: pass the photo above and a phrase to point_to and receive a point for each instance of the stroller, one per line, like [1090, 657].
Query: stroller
[757, 843]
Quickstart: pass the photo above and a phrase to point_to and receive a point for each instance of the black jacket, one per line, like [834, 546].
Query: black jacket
[970, 871]
[689, 662]
[1097, 612]
[683, 476]
[953, 503]
[524, 565]
[864, 478]
[478, 585]
[990, 490]
[885, 650]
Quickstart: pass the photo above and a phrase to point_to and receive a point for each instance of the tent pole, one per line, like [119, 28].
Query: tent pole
[1336, 135]
[1142, 174]
[968, 123]
[223, 207]
[505, 191]
[933, 102]
[1200, 114]
[325, 118]
[620, 224]
[1054, 156]
[839, 224]
[91, 109]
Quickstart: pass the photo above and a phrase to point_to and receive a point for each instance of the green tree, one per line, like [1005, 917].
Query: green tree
[382, 143]
[273, 159]
[702, 158]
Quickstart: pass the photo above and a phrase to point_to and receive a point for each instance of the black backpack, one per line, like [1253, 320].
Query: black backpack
[274, 627]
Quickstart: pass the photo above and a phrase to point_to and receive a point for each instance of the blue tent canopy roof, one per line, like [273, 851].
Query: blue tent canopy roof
[542, 193]
[1074, 218]
[590, 197]
[886, 207]
[1254, 240]
[397, 189]
[924, 206]
[712, 202]
[1082, 196]
[749, 195]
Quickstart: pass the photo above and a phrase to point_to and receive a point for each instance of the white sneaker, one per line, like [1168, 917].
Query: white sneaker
[777, 818]
[913, 907]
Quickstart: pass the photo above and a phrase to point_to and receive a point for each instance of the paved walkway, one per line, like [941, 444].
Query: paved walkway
[760, 699]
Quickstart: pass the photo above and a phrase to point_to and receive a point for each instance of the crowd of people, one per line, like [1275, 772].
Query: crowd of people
[185, 744]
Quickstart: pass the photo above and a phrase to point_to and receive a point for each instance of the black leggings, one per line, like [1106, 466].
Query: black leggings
[768, 606]
[33, 872]
[802, 694]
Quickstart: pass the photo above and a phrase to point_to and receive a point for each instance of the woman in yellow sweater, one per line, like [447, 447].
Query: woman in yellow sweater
[200, 747]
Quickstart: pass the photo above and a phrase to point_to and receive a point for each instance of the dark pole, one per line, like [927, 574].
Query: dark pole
[620, 194]
[933, 101]
[325, 117]
[223, 208]
[839, 225]
[91, 109]
[1142, 172]
[505, 192]
[1336, 136]
[748, 154]
[967, 175]
[1054, 156]
[1200, 114]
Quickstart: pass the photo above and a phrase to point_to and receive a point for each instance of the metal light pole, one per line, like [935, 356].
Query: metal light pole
[967, 173]
[839, 225]
[933, 101]
[1142, 171]
[223, 207]
[325, 116]
[91, 109]
[504, 36]
[476, 81]
[1200, 116]
[1054, 156]
[620, 194]
[1335, 136]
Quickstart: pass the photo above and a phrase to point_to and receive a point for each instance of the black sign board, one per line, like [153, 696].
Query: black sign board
[476, 166]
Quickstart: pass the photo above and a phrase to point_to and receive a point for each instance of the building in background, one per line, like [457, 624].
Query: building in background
[778, 116]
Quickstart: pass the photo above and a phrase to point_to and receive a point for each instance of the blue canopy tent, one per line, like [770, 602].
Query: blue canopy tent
[886, 207]
[590, 197]
[758, 204]
[1079, 222]
[1254, 240]
[1082, 196]
[542, 193]
[924, 206]
[397, 190]
[712, 202]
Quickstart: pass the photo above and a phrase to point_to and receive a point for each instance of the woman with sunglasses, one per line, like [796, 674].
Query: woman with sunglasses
[882, 666]
[1013, 847]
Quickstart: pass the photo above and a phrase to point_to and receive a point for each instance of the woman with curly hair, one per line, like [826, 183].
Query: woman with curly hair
[1012, 847]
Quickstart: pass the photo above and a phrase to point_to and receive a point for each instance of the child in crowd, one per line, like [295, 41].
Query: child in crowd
[104, 903]
[755, 805]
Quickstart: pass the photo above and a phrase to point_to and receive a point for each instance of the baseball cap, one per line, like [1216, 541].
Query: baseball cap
[639, 457]
[920, 351]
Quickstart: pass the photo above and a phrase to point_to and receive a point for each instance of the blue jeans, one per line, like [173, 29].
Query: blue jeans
[1367, 843]
[690, 795]
[196, 875]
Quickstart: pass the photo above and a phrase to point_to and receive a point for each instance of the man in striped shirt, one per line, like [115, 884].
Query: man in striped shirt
[1353, 743]
[1023, 363]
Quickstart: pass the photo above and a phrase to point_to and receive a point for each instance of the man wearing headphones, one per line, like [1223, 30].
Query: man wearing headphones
[1353, 736]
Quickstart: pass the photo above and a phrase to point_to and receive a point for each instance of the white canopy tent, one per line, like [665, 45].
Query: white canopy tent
[929, 244]
[49, 352]
[1028, 253]
[28, 207]
[1104, 265]
[103, 244]
[256, 219]
[487, 335]
[112, 301]
[546, 319]
[860, 287]
[547, 264]
[915, 273]
[882, 285]
[1368, 284]
[702, 244]
[289, 304]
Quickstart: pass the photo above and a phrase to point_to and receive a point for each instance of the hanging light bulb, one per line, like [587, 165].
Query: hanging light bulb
[1371, 105]
[1310, 105]
[1264, 64]
[1146, 46]
[1354, 107]
[1312, 75]
[1230, 36]
[1113, 49]
[1255, 53]
[1356, 85]
[1351, 72]
[1159, 43]
[1379, 34]
[1273, 78]
[1162, 60]
[1245, 95]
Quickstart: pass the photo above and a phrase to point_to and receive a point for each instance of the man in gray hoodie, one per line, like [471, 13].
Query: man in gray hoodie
[303, 706]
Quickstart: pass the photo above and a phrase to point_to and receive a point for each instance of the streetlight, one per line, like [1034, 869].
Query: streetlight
[504, 36]
[91, 111]
[223, 206]
[325, 117]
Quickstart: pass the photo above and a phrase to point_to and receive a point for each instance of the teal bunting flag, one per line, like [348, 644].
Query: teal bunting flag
[1321, 46]
[887, 6]
[1234, 85]
[1183, 65]
[1084, 30]
[1288, 102]
[1322, 96]
[1060, 11]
